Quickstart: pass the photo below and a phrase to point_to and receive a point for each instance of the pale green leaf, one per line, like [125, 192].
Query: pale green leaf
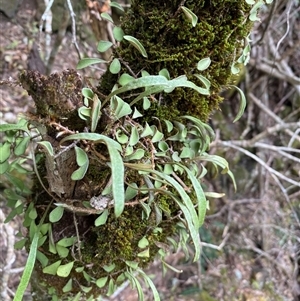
[201, 199]
[125, 79]
[117, 166]
[5, 151]
[95, 113]
[47, 147]
[101, 220]
[52, 268]
[65, 269]
[101, 282]
[118, 33]
[63, 252]
[20, 147]
[147, 131]
[190, 15]
[146, 103]
[67, 241]
[143, 242]
[115, 66]
[107, 17]
[26, 275]
[204, 64]
[116, 5]
[242, 105]
[137, 155]
[85, 62]
[68, 286]
[121, 137]
[87, 92]
[151, 284]
[56, 214]
[104, 46]
[136, 113]
[134, 136]
[204, 80]
[144, 253]
[109, 268]
[132, 264]
[137, 44]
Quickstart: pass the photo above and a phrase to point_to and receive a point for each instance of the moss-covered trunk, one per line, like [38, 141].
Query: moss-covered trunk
[106, 252]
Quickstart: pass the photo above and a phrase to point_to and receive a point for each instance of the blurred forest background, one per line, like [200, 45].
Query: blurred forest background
[251, 238]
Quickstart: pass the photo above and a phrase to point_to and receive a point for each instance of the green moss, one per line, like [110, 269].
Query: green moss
[172, 43]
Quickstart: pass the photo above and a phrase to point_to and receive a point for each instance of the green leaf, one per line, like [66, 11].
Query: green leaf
[68, 286]
[4, 167]
[28, 269]
[42, 258]
[132, 264]
[203, 64]
[146, 103]
[87, 92]
[66, 242]
[234, 69]
[63, 252]
[118, 33]
[190, 15]
[22, 125]
[107, 17]
[164, 72]
[119, 107]
[147, 131]
[116, 5]
[65, 269]
[115, 66]
[201, 199]
[131, 191]
[21, 146]
[101, 282]
[125, 79]
[136, 113]
[109, 268]
[4, 152]
[136, 283]
[52, 268]
[101, 220]
[158, 136]
[56, 214]
[20, 244]
[137, 44]
[137, 155]
[134, 136]
[121, 137]
[104, 46]
[111, 287]
[143, 243]
[243, 104]
[116, 164]
[151, 284]
[144, 253]
[46, 145]
[85, 62]
[204, 80]
[95, 113]
[83, 163]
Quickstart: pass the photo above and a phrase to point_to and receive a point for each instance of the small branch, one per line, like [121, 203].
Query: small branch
[72, 15]
[260, 161]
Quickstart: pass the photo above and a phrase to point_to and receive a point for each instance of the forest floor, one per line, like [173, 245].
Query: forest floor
[242, 258]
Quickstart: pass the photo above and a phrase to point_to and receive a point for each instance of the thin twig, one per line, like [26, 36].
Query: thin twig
[72, 15]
